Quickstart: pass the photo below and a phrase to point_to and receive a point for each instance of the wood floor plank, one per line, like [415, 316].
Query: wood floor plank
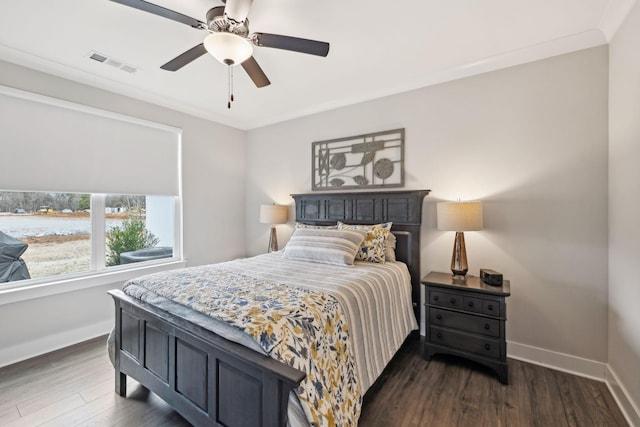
[44, 396]
[448, 391]
[75, 387]
[139, 408]
[9, 413]
[98, 389]
[85, 413]
[17, 388]
[47, 413]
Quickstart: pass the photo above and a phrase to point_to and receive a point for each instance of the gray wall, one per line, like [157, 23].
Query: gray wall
[624, 207]
[531, 142]
[213, 203]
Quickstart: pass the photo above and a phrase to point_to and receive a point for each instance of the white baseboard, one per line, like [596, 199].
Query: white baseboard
[27, 350]
[582, 367]
[558, 361]
[629, 409]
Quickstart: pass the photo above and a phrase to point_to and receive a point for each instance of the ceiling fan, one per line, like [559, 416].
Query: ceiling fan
[229, 40]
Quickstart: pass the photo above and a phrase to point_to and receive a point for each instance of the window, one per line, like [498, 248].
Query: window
[56, 231]
[138, 229]
[80, 179]
[45, 235]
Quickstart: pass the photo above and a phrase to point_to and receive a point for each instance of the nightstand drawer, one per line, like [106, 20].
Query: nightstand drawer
[472, 304]
[445, 299]
[465, 322]
[492, 308]
[481, 346]
[481, 305]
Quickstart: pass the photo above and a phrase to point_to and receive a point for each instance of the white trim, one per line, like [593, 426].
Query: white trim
[614, 15]
[546, 49]
[43, 99]
[178, 245]
[543, 50]
[46, 344]
[583, 368]
[559, 361]
[622, 397]
[27, 292]
[98, 235]
[94, 80]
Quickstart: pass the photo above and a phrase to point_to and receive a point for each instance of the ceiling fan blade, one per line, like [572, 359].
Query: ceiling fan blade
[237, 10]
[312, 47]
[185, 58]
[161, 11]
[255, 72]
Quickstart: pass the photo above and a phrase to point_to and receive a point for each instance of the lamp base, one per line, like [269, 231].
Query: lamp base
[273, 240]
[459, 266]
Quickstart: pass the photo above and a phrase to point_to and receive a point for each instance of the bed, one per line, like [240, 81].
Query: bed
[221, 379]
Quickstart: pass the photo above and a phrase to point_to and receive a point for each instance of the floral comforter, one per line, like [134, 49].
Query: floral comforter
[304, 328]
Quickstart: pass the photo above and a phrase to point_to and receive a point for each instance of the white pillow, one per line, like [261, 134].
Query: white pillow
[318, 227]
[324, 246]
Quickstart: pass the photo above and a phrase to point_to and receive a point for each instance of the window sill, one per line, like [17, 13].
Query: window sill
[44, 289]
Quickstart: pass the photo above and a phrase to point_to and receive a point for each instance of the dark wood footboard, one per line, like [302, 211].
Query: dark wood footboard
[209, 380]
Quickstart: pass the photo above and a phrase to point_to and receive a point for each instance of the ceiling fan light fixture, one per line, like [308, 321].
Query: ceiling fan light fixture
[228, 48]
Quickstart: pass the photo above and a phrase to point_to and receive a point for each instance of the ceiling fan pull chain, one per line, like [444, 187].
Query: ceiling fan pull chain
[229, 86]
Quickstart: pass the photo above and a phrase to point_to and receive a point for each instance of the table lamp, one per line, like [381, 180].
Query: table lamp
[273, 214]
[459, 217]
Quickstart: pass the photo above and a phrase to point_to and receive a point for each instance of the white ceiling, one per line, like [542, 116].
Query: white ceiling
[377, 48]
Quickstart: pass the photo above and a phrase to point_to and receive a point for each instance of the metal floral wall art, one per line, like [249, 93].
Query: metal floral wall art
[363, 161]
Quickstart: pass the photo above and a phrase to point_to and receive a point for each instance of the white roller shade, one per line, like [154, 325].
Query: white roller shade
[51, 145]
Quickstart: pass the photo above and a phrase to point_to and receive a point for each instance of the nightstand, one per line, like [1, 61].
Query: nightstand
[466, 318]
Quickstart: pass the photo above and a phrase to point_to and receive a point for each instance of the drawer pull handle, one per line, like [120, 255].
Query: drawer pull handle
[487, 347]
[436, 298]
[439, 335]
[452, 300]
[490, 307]
[486, 326]
[470, 303]
[439, 317]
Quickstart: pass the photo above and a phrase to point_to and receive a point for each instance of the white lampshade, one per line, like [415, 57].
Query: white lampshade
[459, 216]
[273, 214]
[228, 46]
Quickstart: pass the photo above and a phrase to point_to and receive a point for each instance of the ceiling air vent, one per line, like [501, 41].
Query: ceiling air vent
[104, 59]
[113, 63]
[128, 68]
[97, 57]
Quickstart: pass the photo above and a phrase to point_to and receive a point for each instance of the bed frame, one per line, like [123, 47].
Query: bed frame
[211, 381]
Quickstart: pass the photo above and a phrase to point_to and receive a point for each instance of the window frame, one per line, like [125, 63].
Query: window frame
[99, 274]
[116, 275]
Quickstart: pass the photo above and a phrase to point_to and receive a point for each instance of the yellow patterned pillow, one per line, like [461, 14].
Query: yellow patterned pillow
[373, 247]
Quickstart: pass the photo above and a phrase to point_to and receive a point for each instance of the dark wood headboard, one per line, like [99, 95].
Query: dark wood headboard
[403, 208]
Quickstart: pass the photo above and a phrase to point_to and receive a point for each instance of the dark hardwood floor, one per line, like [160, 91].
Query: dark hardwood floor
[75, 387]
